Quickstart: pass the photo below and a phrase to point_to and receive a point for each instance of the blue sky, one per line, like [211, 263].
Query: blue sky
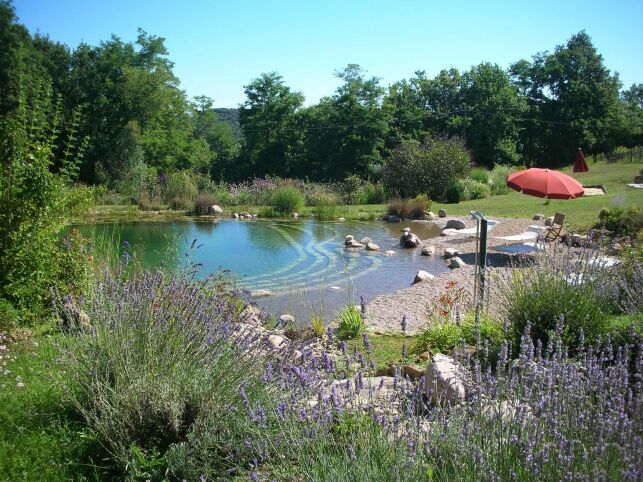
[218, 47]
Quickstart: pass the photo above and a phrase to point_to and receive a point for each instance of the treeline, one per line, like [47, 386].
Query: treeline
[137, 121]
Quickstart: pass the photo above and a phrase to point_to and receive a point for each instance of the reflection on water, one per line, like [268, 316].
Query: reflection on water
[304, 263]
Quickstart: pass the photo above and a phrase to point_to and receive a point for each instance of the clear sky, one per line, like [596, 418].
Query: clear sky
[220, 46]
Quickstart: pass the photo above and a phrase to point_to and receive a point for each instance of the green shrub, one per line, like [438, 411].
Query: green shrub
[286, 200]
[455, 192]
[147, 203]
[37, 201]
[443, 337]
[371, 193]
[625, 329]
[349, 323]
[475, 190]
[180, 191]
[321, 197]
[621, 221]
[498, 180]
[9, 316]
[350, 189]
[203, 202]
[326, 212]
[430, 167]
[318, 326]
[480, 174]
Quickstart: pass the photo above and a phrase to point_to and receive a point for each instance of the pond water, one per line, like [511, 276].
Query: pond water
[303, 263]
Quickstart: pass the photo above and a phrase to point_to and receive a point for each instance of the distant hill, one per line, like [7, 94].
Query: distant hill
[230, 116]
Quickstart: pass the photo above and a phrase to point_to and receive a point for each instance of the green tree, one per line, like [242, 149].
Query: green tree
[572, 97]
[267, 119]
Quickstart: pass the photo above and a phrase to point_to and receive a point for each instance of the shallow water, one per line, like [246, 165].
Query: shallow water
[303, 263]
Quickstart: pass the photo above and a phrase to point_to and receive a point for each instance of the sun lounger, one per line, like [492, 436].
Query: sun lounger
[530, 234]
[469, 231]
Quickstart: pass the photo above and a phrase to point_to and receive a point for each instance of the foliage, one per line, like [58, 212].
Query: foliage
[36, 200]
[318, 326]
[320, 195]
[9, 316]
[158, 370]
[327, 212]
[562, 288]
[203, 203]
[350, 189]
[427, 168]
[349, 322]
[498, 180]
[286, 200]
[456, 191]
[372, 193]
[621, 221]
[442, 337]
[409, 208]
[480, 174]
[180, 190]
[475, 190]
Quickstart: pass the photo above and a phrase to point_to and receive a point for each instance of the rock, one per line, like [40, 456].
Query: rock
[538, 217]
[365, 240]
[409, 240]
[428, 250]
[348, 239]
[390, 252]
[414, 372]
[455, 224]
[285, 319]
[549, 221]
[295, 215]
[276, 341]
[424, 355]
[250, 311]
[341, 219]
[334, 288]
[20, 385]
[450, 253]
[456, 262]
[445, 380]
[393, 218]
[428, 215]
[422, 276]
[235, 215]
[442, 213]
[354, 244]
[372, 247]
[260, 293]
[387, 371]
[214, 209]
[615, 249]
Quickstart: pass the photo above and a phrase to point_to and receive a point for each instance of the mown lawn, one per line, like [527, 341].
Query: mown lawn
[580, 213]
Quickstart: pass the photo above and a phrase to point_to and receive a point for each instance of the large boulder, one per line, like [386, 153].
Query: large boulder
[409, 240]
[354, 244]
[538, 217]
[456, 262]
[422, 275]
[286, 319]
[215, 209]
[450, 253]
[442, 213]
[446, 381]
[549, 221]
[348, 239]
[366, 240]
[455, 224]
[428, 250]
[372, 247]
[393, 218]
[260, 293]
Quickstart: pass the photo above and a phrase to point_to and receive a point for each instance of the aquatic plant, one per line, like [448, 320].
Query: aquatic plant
[350, 322]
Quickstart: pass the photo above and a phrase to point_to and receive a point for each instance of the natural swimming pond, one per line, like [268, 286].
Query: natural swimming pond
[303, 263]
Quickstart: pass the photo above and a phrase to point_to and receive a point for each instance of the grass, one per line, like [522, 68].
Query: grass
[580, 213]
[386, 349]
[41, 436]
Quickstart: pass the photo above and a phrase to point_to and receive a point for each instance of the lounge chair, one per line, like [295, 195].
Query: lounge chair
[553, 231]
[532, 233]
[470, 231]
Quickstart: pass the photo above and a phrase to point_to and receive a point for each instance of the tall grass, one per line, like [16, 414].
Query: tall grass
[286, 200]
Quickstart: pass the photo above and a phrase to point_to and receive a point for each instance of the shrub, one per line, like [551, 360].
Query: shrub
[350, 189]
[455, 192]
[371, 193]
[286, 200]
[321, 197]
[480, 174]
[180, 191]
[147, 203]
[475, 190]
[409, 208]
[159, 371]
[498, 180]
[621, 221]
[430, 167]
[443, 337]
[9, 316]
[37, 200]
[349, 323]
[326, 212]
[203, 202]
[561, 287]
[318, 326]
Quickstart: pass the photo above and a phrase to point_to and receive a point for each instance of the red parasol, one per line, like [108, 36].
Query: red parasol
[580, 165]
[545, 183]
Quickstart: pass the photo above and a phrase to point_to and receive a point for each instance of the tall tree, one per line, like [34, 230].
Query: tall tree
[267, 119]
[572, 96]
